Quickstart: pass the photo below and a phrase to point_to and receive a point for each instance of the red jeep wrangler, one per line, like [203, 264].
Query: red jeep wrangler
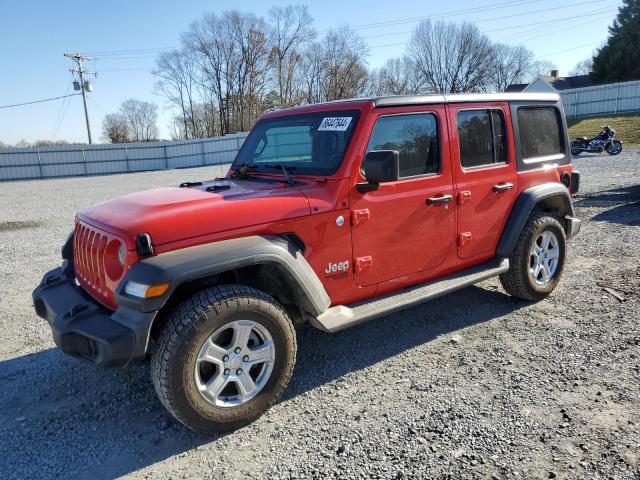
[331, 214]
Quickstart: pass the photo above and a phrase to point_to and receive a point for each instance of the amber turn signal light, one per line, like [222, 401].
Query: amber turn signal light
[156, 290]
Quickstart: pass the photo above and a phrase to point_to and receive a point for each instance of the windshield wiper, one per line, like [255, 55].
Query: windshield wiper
[286, 171]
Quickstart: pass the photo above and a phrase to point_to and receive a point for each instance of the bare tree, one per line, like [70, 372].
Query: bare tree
[584, 67]
[233, 57]
[115, 128]
[142, 118]
[541, 67]
[312, 73]
[396, 77]
[345, 56]
[290, 32]
[511, 65]
[452, 58]
[178, 72]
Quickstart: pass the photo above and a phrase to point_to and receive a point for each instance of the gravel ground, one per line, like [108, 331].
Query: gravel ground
[472, 385]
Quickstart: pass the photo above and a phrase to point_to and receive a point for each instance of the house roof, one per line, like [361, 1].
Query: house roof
[516, 87]
[565, 83]
[558, 83]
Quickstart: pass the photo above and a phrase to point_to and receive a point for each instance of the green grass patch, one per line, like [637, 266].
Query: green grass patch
[627, 127]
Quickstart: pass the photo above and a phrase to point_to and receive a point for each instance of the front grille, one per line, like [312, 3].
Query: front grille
[89, 246]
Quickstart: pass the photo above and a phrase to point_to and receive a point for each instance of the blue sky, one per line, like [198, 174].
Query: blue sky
[35, 34]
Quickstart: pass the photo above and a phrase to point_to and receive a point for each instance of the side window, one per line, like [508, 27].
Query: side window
[415, 137]
[540, 132]
[481, 135]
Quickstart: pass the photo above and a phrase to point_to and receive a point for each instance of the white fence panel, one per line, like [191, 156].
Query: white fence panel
[612, 98]
[74, 160]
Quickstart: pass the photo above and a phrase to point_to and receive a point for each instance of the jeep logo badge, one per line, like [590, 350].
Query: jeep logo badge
[334, 268]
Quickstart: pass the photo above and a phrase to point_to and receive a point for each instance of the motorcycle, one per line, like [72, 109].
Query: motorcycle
[604, 141]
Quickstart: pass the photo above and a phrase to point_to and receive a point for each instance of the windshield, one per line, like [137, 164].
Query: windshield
[312, 144]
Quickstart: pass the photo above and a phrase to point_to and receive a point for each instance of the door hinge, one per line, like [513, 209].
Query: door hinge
[464, 238]
[363, 263]
[360, 216]
[463, 196]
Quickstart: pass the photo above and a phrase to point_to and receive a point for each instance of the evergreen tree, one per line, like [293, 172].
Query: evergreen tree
[619, 59]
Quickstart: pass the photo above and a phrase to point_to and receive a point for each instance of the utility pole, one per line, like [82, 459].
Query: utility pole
[76, 57]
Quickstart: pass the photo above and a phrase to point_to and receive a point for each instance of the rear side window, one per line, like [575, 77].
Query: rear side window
[415, 137]
[540, 132]
[481, 137]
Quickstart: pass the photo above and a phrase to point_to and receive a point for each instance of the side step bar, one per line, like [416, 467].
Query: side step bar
[340, 317]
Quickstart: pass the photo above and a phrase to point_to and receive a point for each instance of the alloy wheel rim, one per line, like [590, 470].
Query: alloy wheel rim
[234, 363]
[544, 257]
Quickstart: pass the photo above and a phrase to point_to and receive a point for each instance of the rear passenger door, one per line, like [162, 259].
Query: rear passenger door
[484, 175]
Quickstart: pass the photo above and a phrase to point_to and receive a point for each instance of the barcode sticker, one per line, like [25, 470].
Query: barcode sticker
[334, 124]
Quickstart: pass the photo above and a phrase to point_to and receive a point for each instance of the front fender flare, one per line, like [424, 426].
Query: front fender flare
[192, 263]
[530, 198]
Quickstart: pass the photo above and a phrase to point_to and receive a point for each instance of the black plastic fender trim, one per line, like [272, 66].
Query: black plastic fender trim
[192, 263]
[521, 211]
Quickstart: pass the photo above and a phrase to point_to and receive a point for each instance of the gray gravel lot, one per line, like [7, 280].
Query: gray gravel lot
[472, 385]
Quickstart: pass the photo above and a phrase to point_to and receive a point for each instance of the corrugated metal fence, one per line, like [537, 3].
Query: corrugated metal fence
[612, 98]
[76, 160]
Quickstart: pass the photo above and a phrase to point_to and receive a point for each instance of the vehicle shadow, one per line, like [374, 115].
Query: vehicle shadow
[622, 205]
[113, 424]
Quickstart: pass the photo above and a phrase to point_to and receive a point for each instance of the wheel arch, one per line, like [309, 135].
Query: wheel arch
[548, 197]
[270, 263]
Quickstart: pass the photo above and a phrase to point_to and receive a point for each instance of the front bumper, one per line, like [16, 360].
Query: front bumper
[83, 328]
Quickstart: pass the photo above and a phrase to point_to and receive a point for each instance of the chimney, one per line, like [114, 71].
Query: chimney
[554, 73]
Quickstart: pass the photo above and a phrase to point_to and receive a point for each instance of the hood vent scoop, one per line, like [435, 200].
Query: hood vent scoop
[217, 188]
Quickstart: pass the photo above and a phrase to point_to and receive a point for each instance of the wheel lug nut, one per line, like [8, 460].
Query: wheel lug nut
[239, 371]
[226, 371]
[237, 350]
[225, 358]
[246, 358]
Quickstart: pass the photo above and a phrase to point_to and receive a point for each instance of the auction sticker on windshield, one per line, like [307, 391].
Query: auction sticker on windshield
[334, 124]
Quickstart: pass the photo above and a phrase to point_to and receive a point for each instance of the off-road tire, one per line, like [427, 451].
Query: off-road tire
[518, 281]
[186, 329]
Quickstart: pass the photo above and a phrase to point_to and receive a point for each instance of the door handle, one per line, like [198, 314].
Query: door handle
[438, 200]
[502, 187]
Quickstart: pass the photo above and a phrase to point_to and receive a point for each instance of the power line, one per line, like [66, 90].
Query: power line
[533, 33]
[512, 27]
[38, 101]
[136, 54]
[145, 53]
[58, 117]
[507, 16]
[400, 21]
[66, 104]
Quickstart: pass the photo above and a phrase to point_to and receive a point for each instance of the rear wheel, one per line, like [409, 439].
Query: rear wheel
[575, 148]
[223, 358]
[538, 259]
[614, 147]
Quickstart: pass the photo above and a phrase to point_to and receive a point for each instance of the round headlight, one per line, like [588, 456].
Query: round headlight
[122, 254]
[115, 257]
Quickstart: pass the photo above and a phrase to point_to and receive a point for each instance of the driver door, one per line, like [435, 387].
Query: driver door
[399, 229]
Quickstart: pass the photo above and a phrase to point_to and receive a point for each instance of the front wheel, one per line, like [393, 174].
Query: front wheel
[575, 148]
[538, 259]
[224, 357]
[614, 147]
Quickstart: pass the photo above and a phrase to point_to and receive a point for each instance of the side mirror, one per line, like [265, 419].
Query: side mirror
[379, 166]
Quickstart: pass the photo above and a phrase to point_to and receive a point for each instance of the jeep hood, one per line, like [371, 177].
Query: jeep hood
[177, 213]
